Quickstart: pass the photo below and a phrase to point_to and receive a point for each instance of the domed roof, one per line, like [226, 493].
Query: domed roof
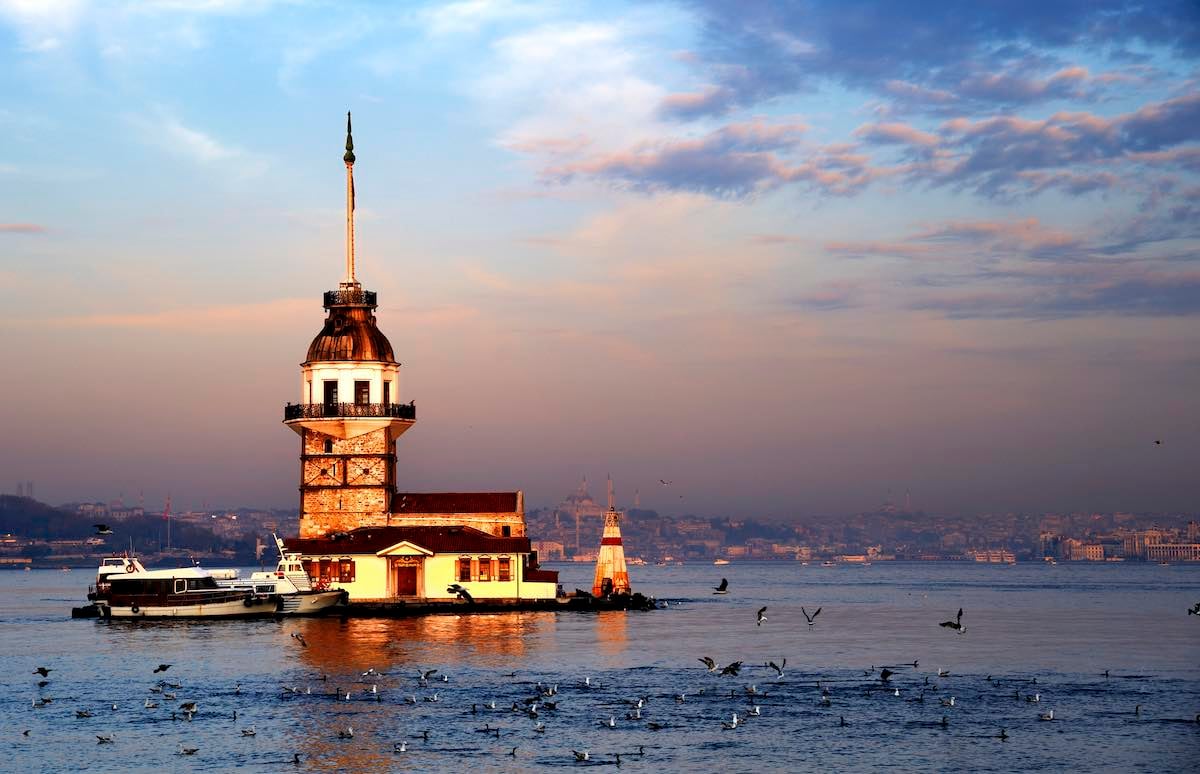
[350, 333]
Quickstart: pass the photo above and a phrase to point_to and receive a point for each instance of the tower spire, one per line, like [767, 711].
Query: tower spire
[350, 281]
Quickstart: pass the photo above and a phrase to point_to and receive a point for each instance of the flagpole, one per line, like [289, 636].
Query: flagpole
[349, 159]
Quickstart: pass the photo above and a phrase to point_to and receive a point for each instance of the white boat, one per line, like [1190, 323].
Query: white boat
[721, 561]
[182, 592]
[290, 584]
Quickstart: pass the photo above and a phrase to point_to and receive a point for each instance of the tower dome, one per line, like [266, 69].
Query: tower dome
[350, 331]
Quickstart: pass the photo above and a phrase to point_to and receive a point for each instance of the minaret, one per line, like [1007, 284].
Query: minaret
[612, 577]
[349, 415]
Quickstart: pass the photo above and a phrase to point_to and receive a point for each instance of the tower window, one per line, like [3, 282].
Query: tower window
[387, 393]
[329, 446]
[506, 531]
[362, 393]
[331, 393]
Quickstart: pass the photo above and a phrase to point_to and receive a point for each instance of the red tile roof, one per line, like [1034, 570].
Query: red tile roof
[454, 502]
[440, 540]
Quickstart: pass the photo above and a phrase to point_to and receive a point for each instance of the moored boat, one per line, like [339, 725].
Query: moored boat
[290, 584]
[184, 592]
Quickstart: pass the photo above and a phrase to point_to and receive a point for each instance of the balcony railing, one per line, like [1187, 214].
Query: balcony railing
[349, 298]
[330, 410]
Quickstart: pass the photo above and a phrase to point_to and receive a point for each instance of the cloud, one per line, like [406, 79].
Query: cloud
[926, 55]
[1149, 295]
[197, 146]
[279, 313]
[21, 228]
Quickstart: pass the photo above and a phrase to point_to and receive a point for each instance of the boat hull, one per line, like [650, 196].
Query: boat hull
[236, 608]
[309, 602]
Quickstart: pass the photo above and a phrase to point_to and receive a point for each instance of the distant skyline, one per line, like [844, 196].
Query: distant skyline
[787, 256]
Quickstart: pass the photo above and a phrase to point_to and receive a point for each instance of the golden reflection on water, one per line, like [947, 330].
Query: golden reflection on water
[612, 632]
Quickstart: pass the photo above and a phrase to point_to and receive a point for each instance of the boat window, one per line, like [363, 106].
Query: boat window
[180, 585]
[264, 589]
[345, 570]
[485, 568]
[464, 569]
[504, 574]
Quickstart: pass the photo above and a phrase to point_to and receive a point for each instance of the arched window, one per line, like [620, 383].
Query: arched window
[485, 568]
[464, 569]
[504, 573]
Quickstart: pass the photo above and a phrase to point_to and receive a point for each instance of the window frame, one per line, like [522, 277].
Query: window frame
[504, 569]
[464, 569]
[485, 569]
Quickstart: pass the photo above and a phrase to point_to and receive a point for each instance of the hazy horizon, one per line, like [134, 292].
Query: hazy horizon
[790, 258]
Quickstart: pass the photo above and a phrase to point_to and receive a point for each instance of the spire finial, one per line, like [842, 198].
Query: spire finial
[349, 157]
[350, 282]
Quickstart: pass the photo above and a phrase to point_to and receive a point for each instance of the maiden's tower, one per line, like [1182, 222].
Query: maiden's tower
[357, 532]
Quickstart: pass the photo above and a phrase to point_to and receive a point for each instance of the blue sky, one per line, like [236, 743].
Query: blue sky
[792, 256]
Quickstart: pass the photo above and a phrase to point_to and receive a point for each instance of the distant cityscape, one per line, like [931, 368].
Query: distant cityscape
[39, 535]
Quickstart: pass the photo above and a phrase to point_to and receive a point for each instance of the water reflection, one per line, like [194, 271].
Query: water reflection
[612, 632]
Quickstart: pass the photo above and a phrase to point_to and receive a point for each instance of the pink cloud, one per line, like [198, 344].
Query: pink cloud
[21, 228]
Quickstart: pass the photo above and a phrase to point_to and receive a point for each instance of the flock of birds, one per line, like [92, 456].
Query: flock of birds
[524, 711]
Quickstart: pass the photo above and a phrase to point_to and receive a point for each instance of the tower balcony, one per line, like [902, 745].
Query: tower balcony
[341, 410]
[349, 297]
[347, 420]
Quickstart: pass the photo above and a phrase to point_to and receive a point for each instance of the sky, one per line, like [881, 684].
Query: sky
[794, 258]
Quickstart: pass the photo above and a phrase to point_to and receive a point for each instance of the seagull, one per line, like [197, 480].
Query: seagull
[885, 675]
[945, 721]
[732, 669]
[249, 731]
[1046, 715]
[298, 637]
[708, 662]
[188, 706]
[948, 702]
[777, 667]
[82, 714]
[842, 721]
[150, 704]
[346, 733]
[611, 722]
[762, 615]
[755, 710]
[1194, 609]
[956, 624]
[729, 725]
[664, 482]
[539, 727]
[581, 756]
[810, 618]
[428, 674]
[188, 750]
[43, 671]
[1033, 698]
[102, 529]
[1157, 442]
[1003, 735]
[943, 672]
[104, 738]
[161, 668]
[400, 747]
[723, 588]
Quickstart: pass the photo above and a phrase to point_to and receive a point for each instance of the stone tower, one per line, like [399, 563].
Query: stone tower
[612, 576]
[349, 415]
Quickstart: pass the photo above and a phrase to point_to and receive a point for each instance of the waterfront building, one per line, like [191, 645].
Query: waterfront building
[357, 532]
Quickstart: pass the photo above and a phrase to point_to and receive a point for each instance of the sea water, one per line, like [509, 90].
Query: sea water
[1031, 629]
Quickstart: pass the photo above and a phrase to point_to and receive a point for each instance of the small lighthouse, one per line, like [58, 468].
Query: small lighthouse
[611, 575]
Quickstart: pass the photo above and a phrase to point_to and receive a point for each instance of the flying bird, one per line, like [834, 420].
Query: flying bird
[161, 668]
[885, 675]
[188, 750]
[1194, 609]
[732, 669]
[103, 529]
[1157, 442]
[43, 671]
[298, 637]
[104, 738]
[709, 663]
[580, 755]
[664, 482]
[777, 667]
[723, 588]
[956, 624]
[810, 618]
[762, 615]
